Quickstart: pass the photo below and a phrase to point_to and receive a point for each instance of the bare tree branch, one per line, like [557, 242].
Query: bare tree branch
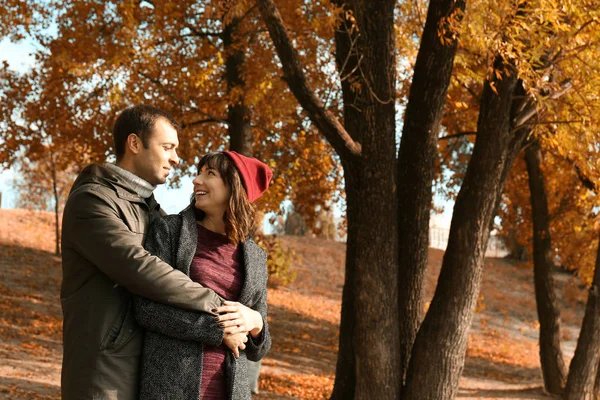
[327, 123]
[198, 33]
[457, 135]
[585, 180]
[530, 109]
[200, 122]
[175, 37]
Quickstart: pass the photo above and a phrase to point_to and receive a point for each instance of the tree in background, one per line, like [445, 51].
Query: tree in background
[559, 81]
[584, 378]
[42, 186]
[208, 63]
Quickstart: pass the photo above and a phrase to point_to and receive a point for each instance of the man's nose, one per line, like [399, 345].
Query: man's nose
[174, 159]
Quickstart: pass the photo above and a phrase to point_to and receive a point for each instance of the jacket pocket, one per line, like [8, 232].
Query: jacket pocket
[121, 330]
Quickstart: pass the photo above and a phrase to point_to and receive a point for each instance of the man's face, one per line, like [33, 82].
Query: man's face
[155, 162]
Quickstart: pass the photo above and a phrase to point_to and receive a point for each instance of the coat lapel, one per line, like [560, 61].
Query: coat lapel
[251, 253]
[188, 240]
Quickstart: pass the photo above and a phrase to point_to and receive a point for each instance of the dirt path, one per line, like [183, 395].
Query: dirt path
[502, 357]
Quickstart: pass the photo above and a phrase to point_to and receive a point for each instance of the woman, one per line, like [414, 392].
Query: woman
[190, 355]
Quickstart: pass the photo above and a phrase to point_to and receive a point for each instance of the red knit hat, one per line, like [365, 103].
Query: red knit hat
[255, 174]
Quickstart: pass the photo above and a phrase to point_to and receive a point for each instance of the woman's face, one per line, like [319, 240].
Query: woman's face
[210, 192]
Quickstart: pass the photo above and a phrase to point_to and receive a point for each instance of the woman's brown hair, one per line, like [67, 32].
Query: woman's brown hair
[240, 218]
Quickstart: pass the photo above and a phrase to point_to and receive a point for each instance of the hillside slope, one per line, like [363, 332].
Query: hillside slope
[30, 316]
[502, 357]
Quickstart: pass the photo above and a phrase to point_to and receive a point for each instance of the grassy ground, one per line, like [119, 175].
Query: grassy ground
[502, 356]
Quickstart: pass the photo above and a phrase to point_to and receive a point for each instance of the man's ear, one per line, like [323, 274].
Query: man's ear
[133, 143]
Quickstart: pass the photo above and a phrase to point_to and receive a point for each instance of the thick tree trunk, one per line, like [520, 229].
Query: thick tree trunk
[238, 114]
[416, 163]
[443, 334]
[553, 365]
[366, 147]
[240, 131]
[583, 373]
[376, 335]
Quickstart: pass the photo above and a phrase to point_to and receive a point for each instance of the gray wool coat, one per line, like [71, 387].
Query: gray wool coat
[174, 339]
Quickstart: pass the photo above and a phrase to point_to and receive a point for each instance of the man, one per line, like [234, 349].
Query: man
[106, 215]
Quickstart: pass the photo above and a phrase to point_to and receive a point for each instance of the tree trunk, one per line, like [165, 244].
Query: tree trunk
[347, 61]
[416, 164]
[238, 114]
[583, 373]
[519, 100]
[443, 334]
[345, 370]
[56, 206]
[376, 336]
[597, 385]
[366, 147]
[551, 358]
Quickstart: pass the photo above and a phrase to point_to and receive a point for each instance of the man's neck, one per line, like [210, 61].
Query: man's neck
[127, 165]
[142, 187]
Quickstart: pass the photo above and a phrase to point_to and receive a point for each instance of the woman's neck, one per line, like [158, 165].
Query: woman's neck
[212, 223]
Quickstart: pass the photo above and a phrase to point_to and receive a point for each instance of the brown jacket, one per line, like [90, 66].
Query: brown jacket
[104, 223]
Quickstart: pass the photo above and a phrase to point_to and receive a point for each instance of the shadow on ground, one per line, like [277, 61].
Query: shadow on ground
[505, 372]
[528, 393]
[30, 323]
[303, 343]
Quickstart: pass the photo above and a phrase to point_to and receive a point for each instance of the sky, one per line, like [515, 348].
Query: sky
[19, 57]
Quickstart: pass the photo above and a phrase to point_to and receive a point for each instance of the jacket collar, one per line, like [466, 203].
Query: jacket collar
[131, 181]
[97, 173]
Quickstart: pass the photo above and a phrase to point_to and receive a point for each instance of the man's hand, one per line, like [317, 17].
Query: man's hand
[239, 319]
[235, 342]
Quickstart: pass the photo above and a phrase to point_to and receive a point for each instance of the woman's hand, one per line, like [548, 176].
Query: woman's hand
[235, 342]
[239, 318]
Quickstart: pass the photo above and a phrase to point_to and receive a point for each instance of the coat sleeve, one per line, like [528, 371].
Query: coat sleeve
[177, 323]
[257, 348]
[103, 238]
[167, 320]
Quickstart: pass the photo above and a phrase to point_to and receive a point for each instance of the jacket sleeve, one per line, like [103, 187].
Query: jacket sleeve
[103, 238]
[177, 323]
[167, 320]
[257, 348]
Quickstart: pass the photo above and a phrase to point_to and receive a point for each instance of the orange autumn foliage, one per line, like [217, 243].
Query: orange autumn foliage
[556, 54]
[172, 55]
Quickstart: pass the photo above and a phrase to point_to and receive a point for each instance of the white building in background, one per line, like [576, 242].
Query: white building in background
[439, 232]
[438, 239]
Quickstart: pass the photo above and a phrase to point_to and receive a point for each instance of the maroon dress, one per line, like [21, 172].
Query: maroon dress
[217, 265]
